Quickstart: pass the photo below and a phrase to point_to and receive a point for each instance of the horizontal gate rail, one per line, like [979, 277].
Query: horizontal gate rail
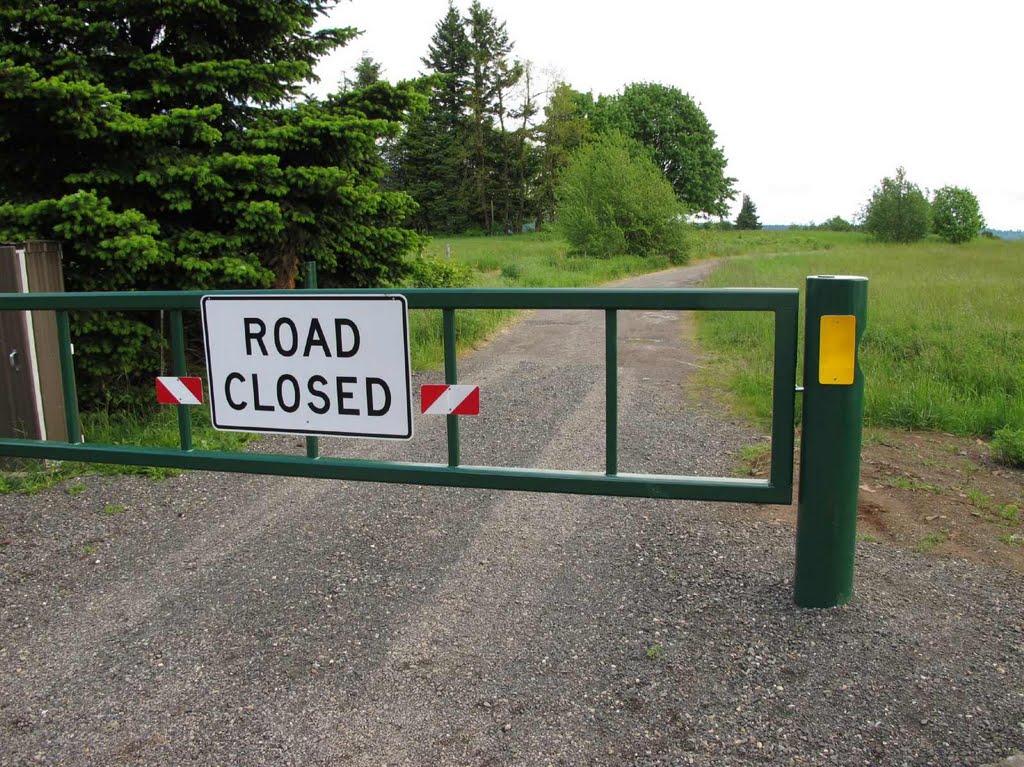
[782, 303]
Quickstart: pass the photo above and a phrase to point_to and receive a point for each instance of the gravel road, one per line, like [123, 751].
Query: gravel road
[231, 620]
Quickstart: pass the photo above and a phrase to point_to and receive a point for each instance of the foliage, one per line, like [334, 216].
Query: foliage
[612, 199]
[837, 224]
[428, 271]
[565, 128]
[956, 215]
[943, 347]
[747, 218]
[897, 211]
[1008, 446]
[161, 143]
[681, 139]
[470, 160]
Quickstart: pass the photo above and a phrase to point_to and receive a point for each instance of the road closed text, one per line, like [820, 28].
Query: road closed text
[335, 365]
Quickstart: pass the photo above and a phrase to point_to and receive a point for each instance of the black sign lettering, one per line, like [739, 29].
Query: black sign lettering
[343, 323]
[324, 399]
[284, 351]
[255, 329]
[315, 337]
[227, 390]
[344, 395]
[379, 383]
[256, 396]
[288, 407]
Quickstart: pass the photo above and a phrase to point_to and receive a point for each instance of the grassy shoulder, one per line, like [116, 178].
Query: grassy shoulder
[944, 346]
[157, 428]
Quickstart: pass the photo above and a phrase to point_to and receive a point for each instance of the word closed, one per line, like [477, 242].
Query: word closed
[328, 365]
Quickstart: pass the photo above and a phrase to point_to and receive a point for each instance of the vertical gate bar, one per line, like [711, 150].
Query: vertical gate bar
[312, 443]
[178, 360]
[451, 376]
[784, 399]
[67, 378]
[833, 410]
[611, 391]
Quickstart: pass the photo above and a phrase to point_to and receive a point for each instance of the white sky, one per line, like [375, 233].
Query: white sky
[813, 101]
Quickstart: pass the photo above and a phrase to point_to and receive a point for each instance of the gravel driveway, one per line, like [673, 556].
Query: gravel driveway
[233, 620]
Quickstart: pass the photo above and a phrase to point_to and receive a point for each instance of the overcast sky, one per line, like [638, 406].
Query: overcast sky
[814, 102]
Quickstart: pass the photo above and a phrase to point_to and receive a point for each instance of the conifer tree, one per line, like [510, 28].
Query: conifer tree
[161, 143]
[747, 218]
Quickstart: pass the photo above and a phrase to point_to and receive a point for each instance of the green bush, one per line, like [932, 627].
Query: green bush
[1008, 446]
[613, 200]
[956, 215]
[511, 271]
[897, 211]
[437, 272]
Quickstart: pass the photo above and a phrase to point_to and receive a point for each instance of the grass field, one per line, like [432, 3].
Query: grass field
[520, 261]
[944, 344]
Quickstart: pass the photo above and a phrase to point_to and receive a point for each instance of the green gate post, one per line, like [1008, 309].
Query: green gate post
[833, 408]
[312, 443]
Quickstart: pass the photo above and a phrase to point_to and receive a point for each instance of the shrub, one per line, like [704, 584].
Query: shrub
[511, 271]
[613, 200]
[437, 272]
[956, 215]
[897, 211]
[1008, 446]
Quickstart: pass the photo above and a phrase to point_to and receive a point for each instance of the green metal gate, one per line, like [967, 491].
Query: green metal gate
[783, 304]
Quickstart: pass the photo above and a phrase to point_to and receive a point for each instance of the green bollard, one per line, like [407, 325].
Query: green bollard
[833, 409]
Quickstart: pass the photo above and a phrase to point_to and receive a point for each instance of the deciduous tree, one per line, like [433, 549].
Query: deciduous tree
[613, 200]
[675, 129]
[956, 214]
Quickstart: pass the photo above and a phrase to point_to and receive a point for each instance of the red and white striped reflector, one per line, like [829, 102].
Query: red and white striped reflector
[457, 399]
[174, 390]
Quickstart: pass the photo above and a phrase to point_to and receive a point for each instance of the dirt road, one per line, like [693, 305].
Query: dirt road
[227, 620]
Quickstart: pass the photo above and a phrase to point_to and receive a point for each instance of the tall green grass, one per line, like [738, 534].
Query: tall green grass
[944, 343]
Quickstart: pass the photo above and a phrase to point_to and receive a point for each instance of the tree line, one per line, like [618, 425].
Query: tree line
[172, 146]
[485, 156]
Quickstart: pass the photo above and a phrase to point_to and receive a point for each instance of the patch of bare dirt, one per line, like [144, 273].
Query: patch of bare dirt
[936, 494]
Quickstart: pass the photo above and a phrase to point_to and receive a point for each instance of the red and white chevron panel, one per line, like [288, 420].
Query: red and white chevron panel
[457, 399]
[176, 390]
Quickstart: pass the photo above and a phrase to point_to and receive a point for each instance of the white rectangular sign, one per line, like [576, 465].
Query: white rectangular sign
[332, 365]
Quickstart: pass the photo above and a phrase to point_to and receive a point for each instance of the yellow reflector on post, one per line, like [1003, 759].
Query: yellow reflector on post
[837, 349]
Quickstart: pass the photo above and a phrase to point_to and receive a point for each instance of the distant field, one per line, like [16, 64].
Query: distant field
[944, 344]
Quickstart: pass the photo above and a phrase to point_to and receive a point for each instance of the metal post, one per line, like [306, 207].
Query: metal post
[451, 376]
[833, 410]
[312, 443]
[67, 377]
[178, 355]
[611, 392]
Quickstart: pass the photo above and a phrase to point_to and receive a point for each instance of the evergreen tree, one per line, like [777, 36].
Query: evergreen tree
[471, 160]
[492, 74]
[431, 158]
[747, 219]
[158, 141]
